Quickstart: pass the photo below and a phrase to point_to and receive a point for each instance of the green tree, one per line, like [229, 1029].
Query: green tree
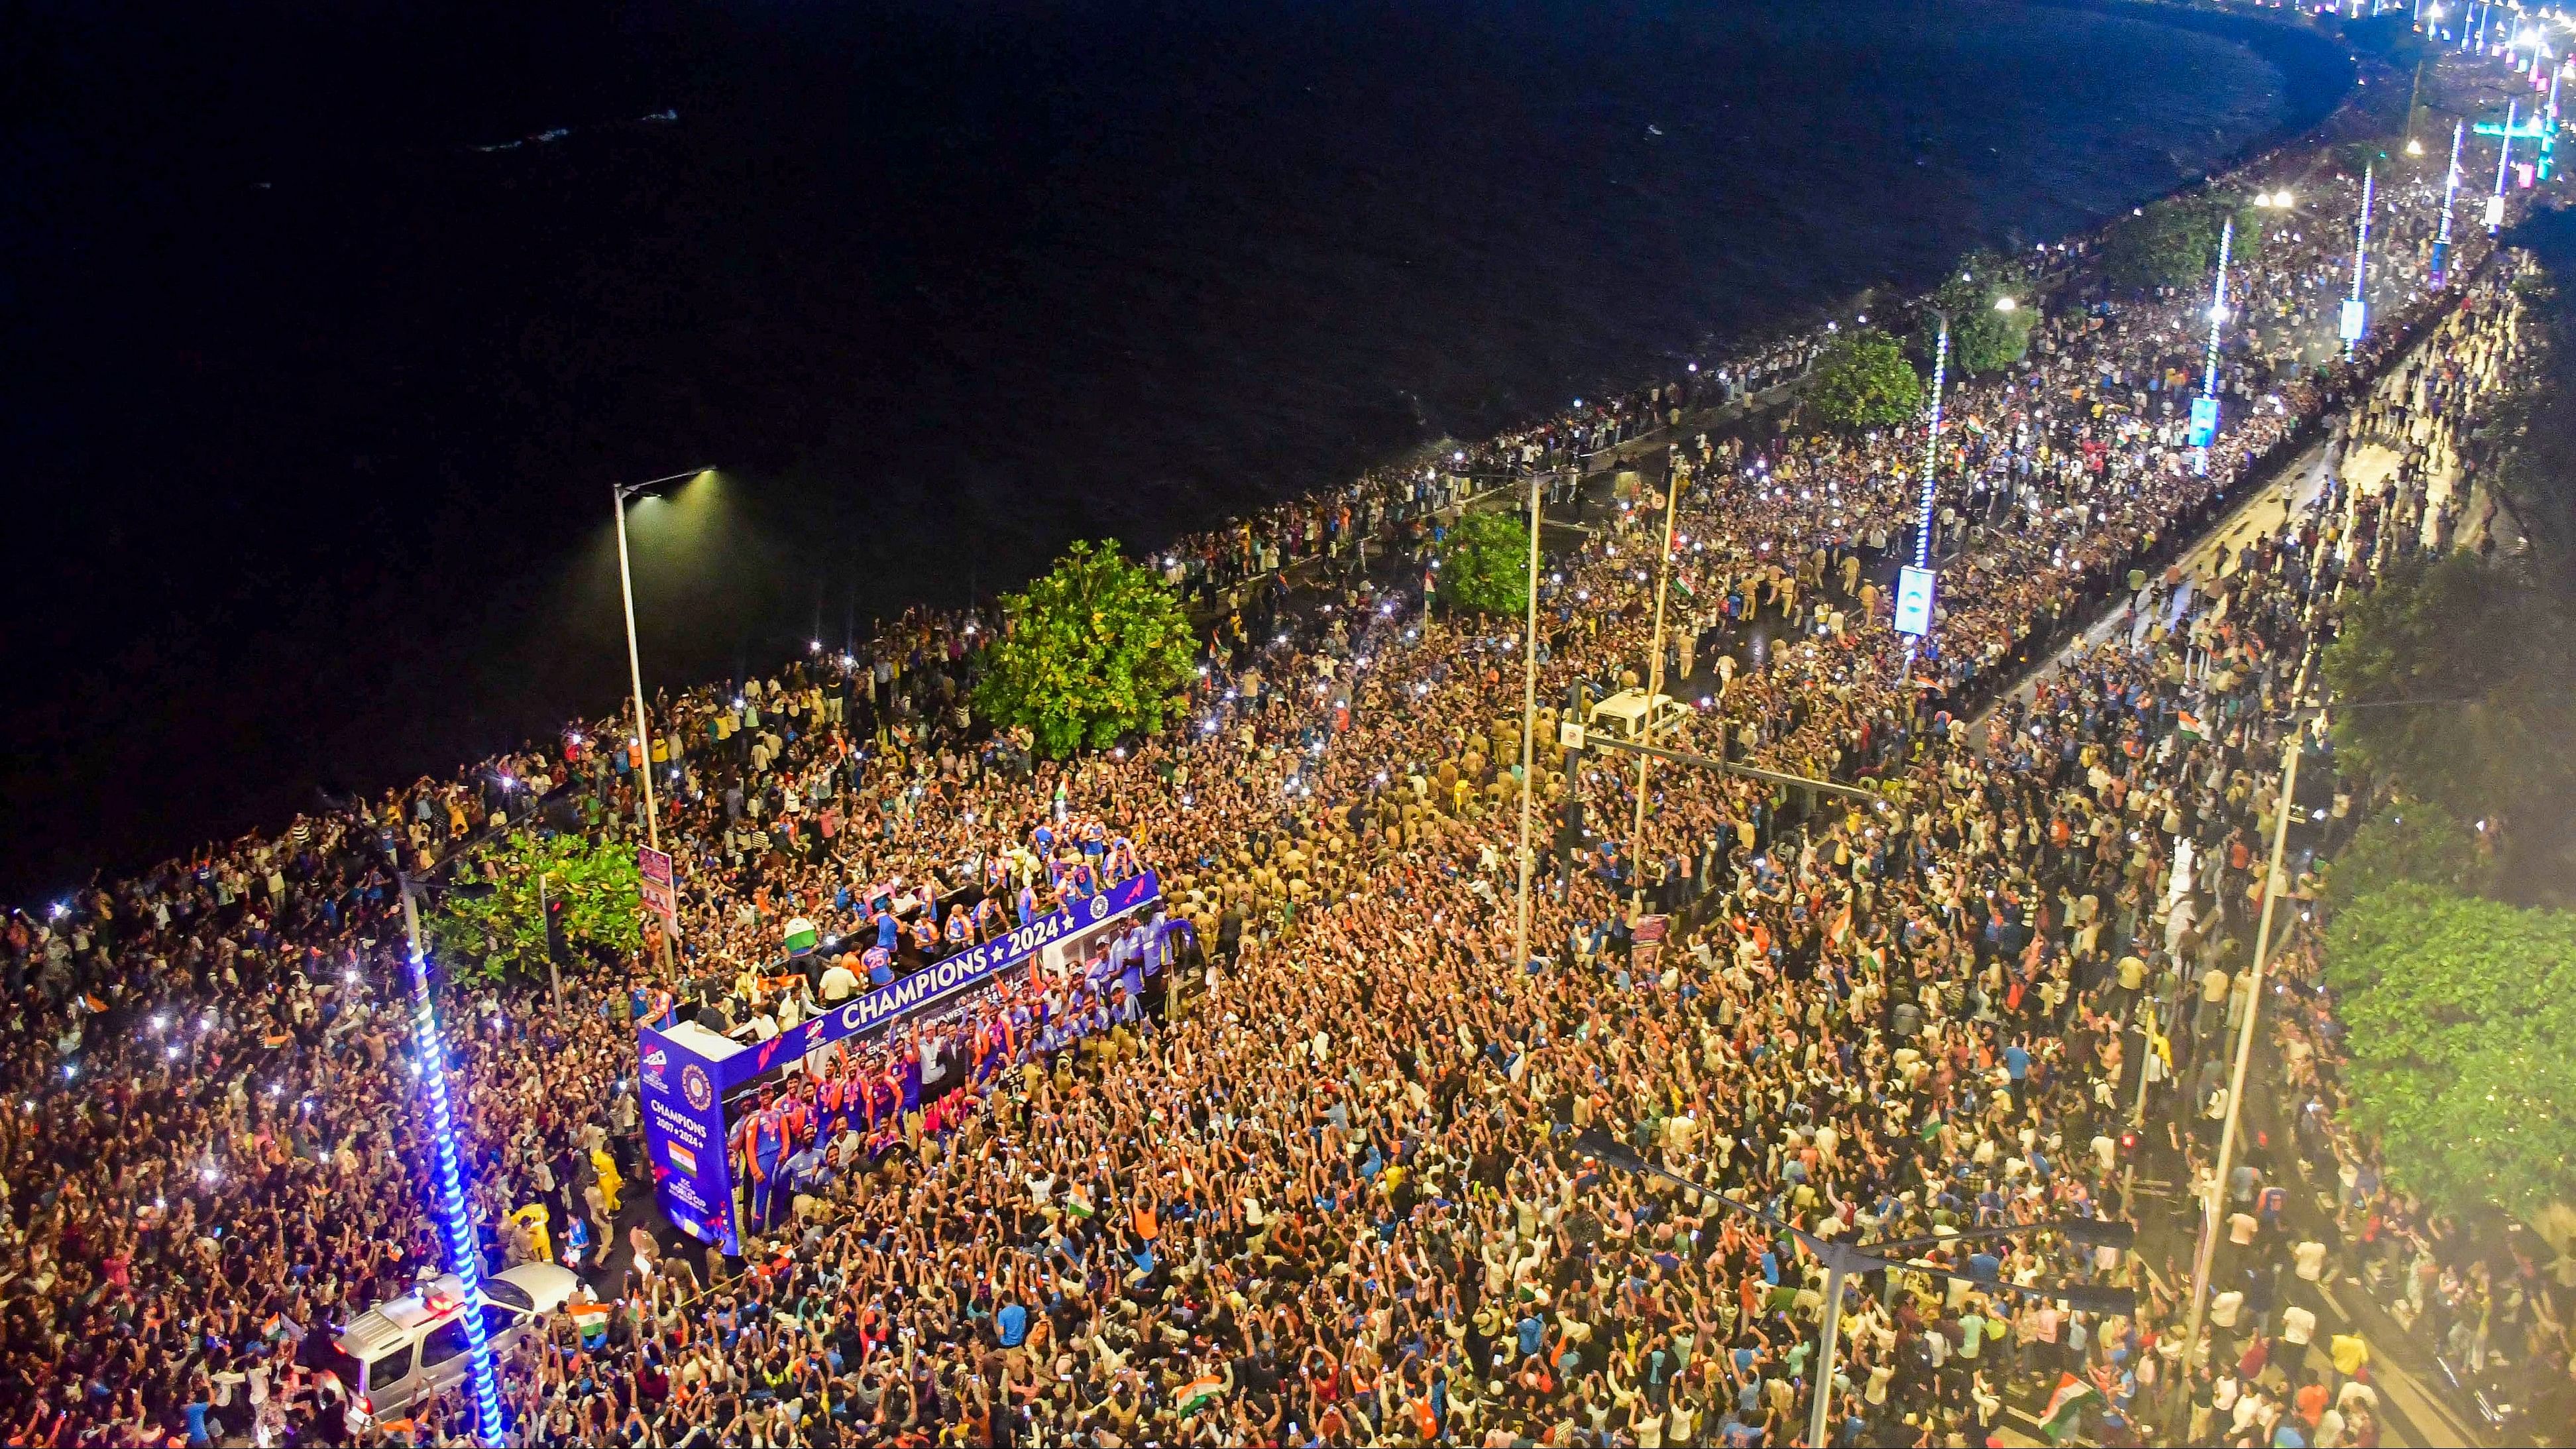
[2172, 243]
[2461, 1018]
[2452, 677]
[1484, 563]
[1097, 648]
[2410, 840]
[488, 934]
[1982, 339]
[1862, 380]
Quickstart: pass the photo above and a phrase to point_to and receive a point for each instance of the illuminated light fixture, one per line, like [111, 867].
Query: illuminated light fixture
[2504, 155]
[2440, 271]
[447, 1176]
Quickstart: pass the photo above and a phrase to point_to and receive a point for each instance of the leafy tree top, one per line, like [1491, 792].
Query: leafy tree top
[2454, 676]
[2460, 1014]
[489, 935]
[1484, 563]
[2172, 243]
[1862, 380]
[1098, 647]
[2411, 840]
[1982, 339]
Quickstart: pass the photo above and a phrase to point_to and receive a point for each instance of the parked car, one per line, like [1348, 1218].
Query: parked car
[400, 1352]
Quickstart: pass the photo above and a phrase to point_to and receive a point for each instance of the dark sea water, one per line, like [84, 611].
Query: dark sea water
[311, 406]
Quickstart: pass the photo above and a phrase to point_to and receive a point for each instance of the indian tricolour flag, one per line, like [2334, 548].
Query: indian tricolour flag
[1200, 1392]
[592, 1320]
[2066, 1406]
[800, 936]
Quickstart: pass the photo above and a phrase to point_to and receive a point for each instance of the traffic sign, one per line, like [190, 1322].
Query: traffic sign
[1914, 601]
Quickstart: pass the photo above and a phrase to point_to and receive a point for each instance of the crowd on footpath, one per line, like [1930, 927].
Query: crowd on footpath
[1336, 1197]
[2309, 1208]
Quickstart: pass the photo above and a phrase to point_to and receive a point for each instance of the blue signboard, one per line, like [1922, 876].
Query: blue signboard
[2204, 422]
[2441, 263]
[2354, 319]
[687, 1074]
[1914, 601]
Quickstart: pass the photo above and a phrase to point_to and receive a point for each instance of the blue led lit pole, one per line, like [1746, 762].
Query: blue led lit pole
[1932, 445]
[2204, 408]
[2356, 311]
[2504, 159]
[2549, 130]
[1914, 581]
[447, 1176]
[2450, 189]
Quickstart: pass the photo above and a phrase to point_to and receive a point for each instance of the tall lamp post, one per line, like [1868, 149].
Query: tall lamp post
[2204, 408]
[1914, 581]
[447, 1173]
[2215, 1205]
[618, 494]
[447, 1158]
[2356, 311]
[1529, 728]
[2450, 191]
[2504, 161]
[1654, 688]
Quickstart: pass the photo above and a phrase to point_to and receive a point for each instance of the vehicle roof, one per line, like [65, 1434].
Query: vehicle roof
[540, 1281]
[397, 1321]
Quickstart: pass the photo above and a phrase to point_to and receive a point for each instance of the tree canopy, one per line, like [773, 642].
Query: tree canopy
[2460, 1014]
[489, 934]
[1484, 563]
[1097, 648]
[1862, 380]
[2452, 677]
[2410, 840]
[1981, 338]
[2172, 243]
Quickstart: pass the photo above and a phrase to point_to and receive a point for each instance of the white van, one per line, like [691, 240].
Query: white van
[396, 1354]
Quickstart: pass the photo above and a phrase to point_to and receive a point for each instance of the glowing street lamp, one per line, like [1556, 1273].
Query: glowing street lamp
[447, 1180]
[618, 494]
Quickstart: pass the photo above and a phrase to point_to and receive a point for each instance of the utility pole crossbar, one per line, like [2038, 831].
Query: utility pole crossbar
[1612, 742]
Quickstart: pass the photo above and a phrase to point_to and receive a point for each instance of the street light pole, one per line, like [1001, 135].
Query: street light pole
[464, 1250]
[1654, 688]
[635, 670]
[2504, 159]
[618, 493]
[1932, 447]
[2213, 1206]
[2204, 421]
[1914, 585]
[1529, 729]
[2357, 310]
[1830, 1339]
[2450, 190]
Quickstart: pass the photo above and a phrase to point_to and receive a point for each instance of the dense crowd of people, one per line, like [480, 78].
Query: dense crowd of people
[1335, 1191]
